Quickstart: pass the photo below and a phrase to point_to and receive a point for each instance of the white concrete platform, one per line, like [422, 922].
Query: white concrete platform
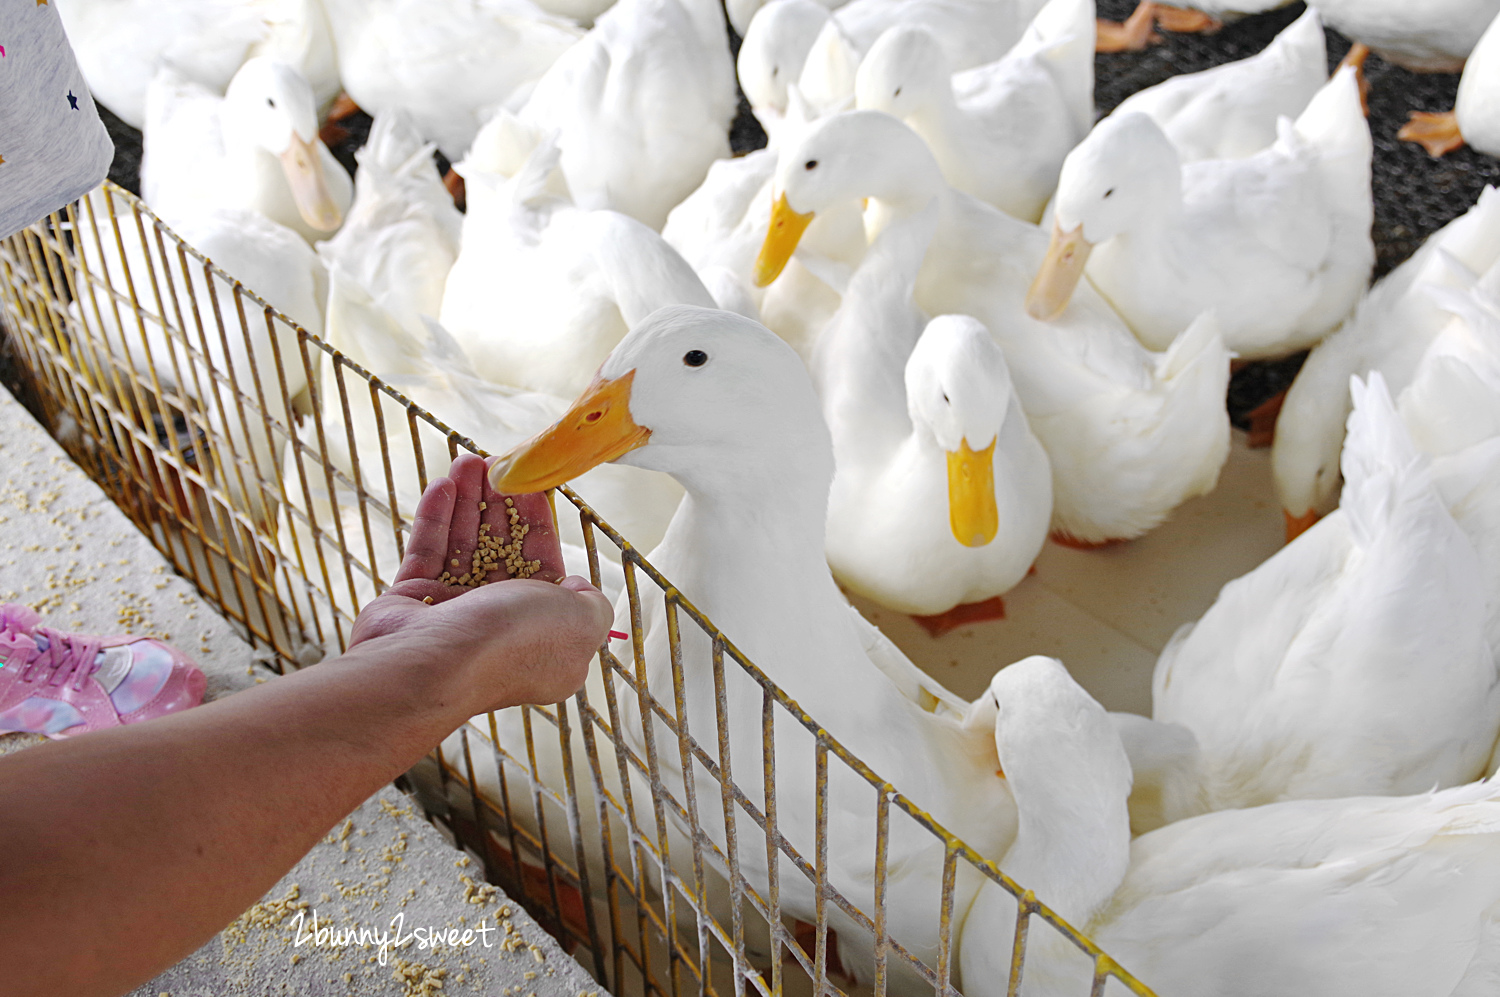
[399, 911]
[70, 553]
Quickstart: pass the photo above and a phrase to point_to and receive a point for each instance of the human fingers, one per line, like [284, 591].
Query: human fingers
[468, 475]
[600, 602]
[430, 527]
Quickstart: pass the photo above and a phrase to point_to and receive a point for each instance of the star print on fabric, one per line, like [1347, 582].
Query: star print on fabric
[2, 160]
[72, 101]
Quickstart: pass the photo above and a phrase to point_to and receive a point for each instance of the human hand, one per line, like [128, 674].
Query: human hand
[507, 642]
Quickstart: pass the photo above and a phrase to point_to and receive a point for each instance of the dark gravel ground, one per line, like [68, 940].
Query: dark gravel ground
[1414, 194]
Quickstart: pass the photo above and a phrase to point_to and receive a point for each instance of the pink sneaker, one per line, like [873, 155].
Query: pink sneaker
[61, 684]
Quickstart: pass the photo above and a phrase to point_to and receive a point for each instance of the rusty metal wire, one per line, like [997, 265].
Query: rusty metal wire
[228, 434]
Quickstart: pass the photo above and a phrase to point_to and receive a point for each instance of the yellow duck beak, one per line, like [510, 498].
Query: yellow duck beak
[303, 167]
[1059, 274]
[782, 236]
[972, 514]
[596, 430]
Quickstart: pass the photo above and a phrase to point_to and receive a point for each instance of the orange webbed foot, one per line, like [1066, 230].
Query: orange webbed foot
[455, 187]
[1298, 525]
[1356, 57]
[332, 133]
[1263, 421]
[1132, 35]
[1068, 540]
[1438, 133]
[807, 940]
[343, 106]
[962, 615]
[1186, 22]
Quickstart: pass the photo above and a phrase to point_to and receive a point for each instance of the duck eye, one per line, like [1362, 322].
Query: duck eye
[945, 399]
[897, 93]
[695, 358]
[811, 164]
[270, 102]
[1107, 193]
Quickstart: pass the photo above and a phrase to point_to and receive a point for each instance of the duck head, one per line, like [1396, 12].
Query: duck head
[712, 398]
[271, 107]
[845, 157]
[1125, 173]
[905, 72]
[775, 49]
[958, 390]
[1067, 767]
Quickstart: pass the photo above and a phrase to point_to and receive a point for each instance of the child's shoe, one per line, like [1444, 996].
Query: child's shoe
[62, 684]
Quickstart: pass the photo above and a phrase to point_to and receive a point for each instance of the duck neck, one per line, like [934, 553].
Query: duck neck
[861, 358]
[254, 175]
[937, 120]
[897, 174]
[1072, 844]
[764, 514]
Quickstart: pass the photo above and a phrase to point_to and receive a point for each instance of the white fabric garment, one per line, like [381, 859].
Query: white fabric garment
[53, 147]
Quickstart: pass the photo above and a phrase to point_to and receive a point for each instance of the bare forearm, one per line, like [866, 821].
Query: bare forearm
[143, 841]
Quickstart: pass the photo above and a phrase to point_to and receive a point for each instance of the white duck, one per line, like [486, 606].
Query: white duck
[585, 12]
[1230, 111]
[254, 149]
[401, 234]
[386, 273]
[1475, 118]
[772, 58]
[1130, 434]
[727, 408]
[542, 289]
[270, 260]
[722, 224]
[742, 13]
[1389, 332]
[943, 496]
[972, 32]
[1433, 37]
[821, 54]
[642, 106]
[447, 64]
[1365, 896]
[1277, 243]
[1452, 408]
[120, 44]
[999, 131]
[1354, 661]
[826, 82]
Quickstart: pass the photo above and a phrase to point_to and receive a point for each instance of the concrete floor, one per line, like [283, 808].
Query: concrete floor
[1108, 613]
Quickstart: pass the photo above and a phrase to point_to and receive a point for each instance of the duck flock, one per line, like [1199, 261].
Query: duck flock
[945, 314]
